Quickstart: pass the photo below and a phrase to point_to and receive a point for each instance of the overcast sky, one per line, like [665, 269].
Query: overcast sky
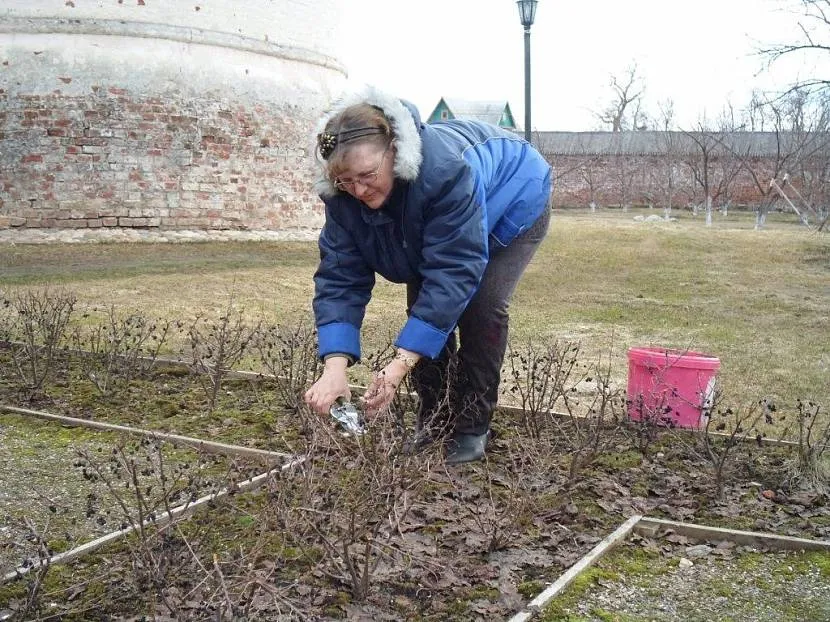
[699, 53]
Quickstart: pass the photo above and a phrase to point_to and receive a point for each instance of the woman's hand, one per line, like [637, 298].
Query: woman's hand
[385, 384]
[331, 385]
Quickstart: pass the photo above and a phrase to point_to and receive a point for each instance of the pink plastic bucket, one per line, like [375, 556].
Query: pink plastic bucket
[670, 387]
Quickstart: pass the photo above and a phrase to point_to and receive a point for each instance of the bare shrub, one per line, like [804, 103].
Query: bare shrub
[811, 467]
[547, 375]
[649, 421]
[592, 421]
[347, 502]
[216, 345]
[152, 493]
[289, 354]
[40, 561]
[725, 429]
[35, 333]
[541, 374]
[118, 349]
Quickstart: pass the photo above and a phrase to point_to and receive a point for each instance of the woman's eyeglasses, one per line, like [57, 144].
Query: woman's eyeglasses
[364, 179]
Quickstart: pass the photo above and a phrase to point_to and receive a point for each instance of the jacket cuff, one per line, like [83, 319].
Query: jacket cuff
[339, 338]
[420, 337]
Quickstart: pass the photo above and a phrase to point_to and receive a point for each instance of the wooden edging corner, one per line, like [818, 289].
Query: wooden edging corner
[652, 527]
[553, 590]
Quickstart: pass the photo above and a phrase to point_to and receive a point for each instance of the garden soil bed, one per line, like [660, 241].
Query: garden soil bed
[364, 531]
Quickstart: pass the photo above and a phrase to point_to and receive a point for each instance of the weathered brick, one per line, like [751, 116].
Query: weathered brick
[123, 164]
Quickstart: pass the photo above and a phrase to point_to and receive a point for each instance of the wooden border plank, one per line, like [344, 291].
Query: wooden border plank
[197, 443]
[162, 520]
[652, 526]
[609, 542]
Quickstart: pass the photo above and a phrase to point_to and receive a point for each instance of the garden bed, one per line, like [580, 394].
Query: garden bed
[364, 530]
[358, 528]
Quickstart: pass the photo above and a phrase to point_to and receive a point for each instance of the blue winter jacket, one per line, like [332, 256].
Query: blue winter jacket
[475, 188]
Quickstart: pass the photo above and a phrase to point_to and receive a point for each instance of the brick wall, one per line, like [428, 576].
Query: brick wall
[647, 180]
[103, 128]
[115, 158]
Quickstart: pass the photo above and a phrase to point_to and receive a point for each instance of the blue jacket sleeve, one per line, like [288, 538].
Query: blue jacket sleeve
[454, 257]
[343, 285]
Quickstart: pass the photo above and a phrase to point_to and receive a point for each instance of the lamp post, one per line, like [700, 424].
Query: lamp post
[527, 13]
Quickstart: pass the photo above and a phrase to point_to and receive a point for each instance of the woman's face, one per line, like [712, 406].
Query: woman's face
[367, 174]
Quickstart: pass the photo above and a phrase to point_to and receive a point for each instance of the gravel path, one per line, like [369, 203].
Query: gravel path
[739, 585]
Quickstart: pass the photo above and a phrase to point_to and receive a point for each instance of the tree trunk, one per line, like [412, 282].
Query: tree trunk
[760, 218]
[708, 211]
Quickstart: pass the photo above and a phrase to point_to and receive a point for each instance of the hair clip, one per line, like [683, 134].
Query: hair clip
[326, 143]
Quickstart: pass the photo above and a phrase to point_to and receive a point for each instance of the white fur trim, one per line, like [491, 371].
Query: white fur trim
[407, 137]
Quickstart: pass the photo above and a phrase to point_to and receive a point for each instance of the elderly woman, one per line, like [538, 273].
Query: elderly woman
[455, 210]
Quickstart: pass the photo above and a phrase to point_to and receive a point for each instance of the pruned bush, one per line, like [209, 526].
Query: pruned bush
[810, 469]
[118, 348]
[589, 405]
[724, 430]
[540, 374]
[344, 506]
[216, 345]
[35, 332]
[289, 354]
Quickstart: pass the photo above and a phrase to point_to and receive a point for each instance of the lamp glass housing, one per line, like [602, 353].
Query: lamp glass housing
[527, 11]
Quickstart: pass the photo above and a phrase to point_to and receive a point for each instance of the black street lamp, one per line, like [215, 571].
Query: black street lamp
[527, 13]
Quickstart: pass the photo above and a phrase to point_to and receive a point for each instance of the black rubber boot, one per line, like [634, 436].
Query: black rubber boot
[463, 448]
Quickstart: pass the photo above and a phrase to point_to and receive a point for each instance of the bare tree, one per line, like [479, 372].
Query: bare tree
[625, 111]
[814, 43]
[666, 178]
[590, 170]
[713, 163]
[800, 123]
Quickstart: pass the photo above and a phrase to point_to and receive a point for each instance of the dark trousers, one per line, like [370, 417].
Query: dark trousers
[459, 389]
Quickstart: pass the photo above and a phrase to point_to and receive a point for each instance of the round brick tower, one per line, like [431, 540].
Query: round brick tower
[172, 115]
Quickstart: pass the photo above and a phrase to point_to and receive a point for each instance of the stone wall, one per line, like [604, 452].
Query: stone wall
[141, 113]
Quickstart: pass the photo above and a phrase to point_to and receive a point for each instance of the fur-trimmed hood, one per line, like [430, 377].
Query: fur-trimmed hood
[405, 122]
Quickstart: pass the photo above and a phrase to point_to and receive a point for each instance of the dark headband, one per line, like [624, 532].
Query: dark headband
[327, 142]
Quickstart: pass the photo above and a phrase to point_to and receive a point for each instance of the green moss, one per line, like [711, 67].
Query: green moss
[530, 589]
[58, 545]
[607, 616]
[820, 559]
[457, 607]
[801, 563]
[636, 561]
[482, 592]
[721, 588]
[616, 461]
[639, 489]
[559, 607]
[750, 561]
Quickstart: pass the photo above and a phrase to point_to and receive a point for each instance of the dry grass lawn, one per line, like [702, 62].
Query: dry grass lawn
[757, 300]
